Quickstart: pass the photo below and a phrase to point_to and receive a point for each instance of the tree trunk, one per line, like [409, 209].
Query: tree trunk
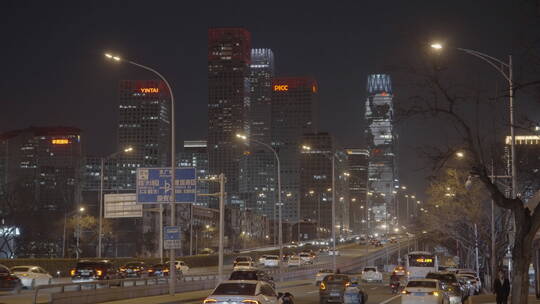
[521, 259]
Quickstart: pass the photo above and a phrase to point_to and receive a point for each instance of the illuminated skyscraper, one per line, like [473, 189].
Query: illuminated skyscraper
[229, 55]
[381, 141]
[294, 112]
[258, 168]
[358, 180]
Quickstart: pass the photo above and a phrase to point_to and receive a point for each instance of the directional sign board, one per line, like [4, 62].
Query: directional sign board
[172, 237]
[122, 205]
[154, 185]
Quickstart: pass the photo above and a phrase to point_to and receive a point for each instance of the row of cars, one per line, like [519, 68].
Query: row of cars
[92, 270]
[30, 276]
[270, 261]
[442, 287]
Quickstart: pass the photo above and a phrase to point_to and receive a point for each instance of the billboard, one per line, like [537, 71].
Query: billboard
[122, 205]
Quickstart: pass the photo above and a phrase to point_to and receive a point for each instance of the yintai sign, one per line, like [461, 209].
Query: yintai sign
[122, 205]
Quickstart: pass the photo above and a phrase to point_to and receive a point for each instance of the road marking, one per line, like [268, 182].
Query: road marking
[390, 300]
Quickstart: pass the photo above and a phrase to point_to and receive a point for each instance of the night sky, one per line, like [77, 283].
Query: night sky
[53, 71]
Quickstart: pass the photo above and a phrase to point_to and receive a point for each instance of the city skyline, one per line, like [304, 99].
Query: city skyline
[97, 103]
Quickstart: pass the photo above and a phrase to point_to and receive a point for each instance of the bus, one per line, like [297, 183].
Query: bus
[420, 263]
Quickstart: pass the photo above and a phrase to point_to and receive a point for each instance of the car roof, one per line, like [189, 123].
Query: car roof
[29, 266]
[241, 281]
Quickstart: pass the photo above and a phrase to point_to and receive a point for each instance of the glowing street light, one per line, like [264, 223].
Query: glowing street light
[460, 154]
[436, 46]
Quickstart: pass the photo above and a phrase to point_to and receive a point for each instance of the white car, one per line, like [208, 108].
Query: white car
[306, 257]
[181, 266]
[32, 276]
[371, 274]
[271, 261]
[262, 259]
[332, 252]
[295, 260]
[244, 266]
[423, 291]
[249, 292]
[321, 274]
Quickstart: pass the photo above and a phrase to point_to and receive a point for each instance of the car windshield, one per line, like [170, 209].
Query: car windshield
[423, 284]
[20, 269]
[304, 254]
[134, 264]
[442, 277]
[247, 289]
[243, 264]
[242, 259]
[367, 269]
[244, 275]
[271, 257]
[326, 271]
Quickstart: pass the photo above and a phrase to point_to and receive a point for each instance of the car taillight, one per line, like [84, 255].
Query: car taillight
[209, 301]
[433, 293]
[323, 286]
[251, 301]
[72, 272]
[406, 292]
[99, 272]
[347, 284]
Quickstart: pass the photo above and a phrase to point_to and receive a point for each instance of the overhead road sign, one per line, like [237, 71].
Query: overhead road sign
[154, 185]
[122, 205]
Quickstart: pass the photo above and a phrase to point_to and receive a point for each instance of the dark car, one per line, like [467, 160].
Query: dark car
[134, 270]
[450, 284]
[242, 259]
[8, 281]
[87, 271]
[332, 288]
[162, 270]
[252, 275]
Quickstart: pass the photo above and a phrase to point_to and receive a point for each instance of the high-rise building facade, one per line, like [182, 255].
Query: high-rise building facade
[144, 125]
[316, 182]
[229, 56]
[195, 155]
[358, 181]
[41, 173]
[381, 140]
[258, 168]
[294, 112]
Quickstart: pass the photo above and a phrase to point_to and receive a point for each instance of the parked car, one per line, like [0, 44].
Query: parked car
[371, 274]
[86, 271]
[307, 257]
[450, 284]
[9, 281]
[243, 292]
[242, 259]
[271, 261]
[134, 270]
[32, 276]
[321, 274]
[424, 291]
[332, 288]
[466, 285]
[475, 280]
[180, 266]
[243, 265]
[295, 261]
[252, 275]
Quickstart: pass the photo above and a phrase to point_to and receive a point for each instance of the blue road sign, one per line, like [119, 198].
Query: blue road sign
[172, 237]
[154, 185]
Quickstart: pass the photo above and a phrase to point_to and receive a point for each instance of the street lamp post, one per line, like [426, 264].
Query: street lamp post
[102, 177]
[280, 227]
[500, 66]
[173, 160]
[81, 210]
